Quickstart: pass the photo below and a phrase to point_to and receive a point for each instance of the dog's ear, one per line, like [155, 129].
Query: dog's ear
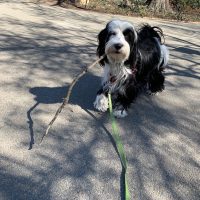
[131, 37]
[101, 46]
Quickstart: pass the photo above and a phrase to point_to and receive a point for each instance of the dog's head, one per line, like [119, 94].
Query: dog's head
[118, 42]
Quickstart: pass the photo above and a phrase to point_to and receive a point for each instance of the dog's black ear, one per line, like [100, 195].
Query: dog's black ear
[131, 37]
[101, 46]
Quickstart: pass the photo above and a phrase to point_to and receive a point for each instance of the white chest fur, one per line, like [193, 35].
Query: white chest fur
[120, 73]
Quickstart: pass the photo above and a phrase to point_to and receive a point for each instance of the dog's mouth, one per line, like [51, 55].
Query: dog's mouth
[118, 52]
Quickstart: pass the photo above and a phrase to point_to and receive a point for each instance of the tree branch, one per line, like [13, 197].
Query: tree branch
[66, 99]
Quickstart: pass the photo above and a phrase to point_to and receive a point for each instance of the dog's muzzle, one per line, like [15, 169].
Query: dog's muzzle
[117, 51]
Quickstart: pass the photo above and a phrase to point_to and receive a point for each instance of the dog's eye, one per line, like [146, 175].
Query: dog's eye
[126, 32]
[112, 33]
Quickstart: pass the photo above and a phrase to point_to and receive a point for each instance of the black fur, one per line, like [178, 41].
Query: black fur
[102, 39]
[132, 40]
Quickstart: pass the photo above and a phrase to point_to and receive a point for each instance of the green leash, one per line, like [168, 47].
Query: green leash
[120, 147]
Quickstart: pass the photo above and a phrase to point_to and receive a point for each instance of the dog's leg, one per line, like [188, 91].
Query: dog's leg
[119, 105]
[121, 102]
[119, 111]
[156, 82]
[101, 102]
[156, 78]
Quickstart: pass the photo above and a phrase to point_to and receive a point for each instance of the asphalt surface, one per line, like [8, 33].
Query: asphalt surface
[42, 48]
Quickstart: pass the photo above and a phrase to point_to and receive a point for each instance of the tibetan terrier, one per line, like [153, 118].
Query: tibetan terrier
[134, 61]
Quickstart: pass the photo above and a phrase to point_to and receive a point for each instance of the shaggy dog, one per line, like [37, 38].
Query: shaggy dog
[133, 60]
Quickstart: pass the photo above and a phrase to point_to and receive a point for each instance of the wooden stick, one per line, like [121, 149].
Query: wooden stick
[66, 99]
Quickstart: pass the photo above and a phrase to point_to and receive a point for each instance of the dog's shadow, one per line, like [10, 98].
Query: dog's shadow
[83, 94]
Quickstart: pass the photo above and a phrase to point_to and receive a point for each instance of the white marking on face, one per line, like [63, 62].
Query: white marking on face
[120, 24]
[114, 53]
[116, 38]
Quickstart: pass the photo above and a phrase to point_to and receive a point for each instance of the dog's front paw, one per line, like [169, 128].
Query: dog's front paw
[120, 113]
[149, 92]
[101, 103]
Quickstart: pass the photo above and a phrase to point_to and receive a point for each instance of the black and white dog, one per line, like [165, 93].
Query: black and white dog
[133, 60]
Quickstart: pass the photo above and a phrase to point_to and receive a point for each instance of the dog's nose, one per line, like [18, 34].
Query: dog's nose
[118, 46]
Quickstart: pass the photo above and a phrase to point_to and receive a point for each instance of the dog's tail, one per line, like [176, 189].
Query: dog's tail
[146, 32]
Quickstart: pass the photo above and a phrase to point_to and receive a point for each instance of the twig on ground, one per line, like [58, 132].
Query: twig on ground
[66, 99]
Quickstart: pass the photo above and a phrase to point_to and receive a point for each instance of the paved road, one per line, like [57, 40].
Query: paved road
[42, 48]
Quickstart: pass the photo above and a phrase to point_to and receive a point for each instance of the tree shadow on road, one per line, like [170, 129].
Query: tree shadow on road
[161, 138]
